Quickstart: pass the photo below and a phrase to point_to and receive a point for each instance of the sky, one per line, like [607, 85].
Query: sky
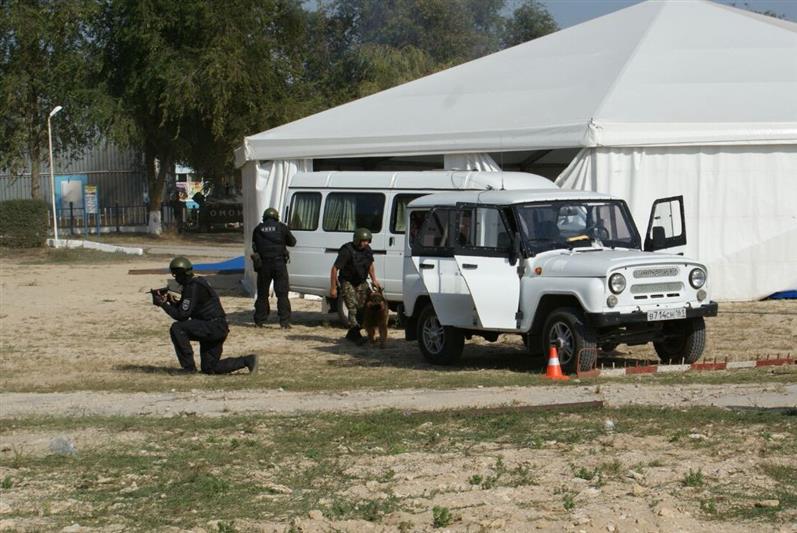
[572, 12]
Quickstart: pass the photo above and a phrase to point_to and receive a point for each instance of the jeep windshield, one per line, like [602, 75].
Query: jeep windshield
[576, 223]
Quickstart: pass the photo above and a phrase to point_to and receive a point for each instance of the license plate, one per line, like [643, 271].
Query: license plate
[666, 314]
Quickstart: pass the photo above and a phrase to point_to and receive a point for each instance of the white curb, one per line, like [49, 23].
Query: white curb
[69, 243]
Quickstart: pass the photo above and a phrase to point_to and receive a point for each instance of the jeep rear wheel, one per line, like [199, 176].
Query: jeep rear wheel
[576, 341]
[684, 341]
[440, 345]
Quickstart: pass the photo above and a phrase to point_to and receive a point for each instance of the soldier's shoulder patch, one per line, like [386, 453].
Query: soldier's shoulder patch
[186, 304]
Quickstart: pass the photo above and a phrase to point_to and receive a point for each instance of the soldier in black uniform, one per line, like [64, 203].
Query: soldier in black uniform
[269, 241]
[199, 317]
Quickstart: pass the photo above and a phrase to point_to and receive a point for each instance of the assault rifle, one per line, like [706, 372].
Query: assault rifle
[159, 295]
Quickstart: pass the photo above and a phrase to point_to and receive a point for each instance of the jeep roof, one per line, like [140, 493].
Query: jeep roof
[519, 196]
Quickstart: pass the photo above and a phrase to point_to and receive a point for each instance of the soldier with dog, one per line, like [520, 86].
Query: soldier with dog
[352, 269]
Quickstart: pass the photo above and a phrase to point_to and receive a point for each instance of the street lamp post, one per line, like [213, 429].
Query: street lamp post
[55, 110]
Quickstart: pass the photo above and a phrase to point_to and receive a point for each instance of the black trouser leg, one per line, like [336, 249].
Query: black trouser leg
[261, 303]
[181, 339]
[281, 288]
[211, 336]
[230, 364]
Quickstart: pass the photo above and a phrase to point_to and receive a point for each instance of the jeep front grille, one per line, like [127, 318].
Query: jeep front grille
[655, 288]
[656, 272]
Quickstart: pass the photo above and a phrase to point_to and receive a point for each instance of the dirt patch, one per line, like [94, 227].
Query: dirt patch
[85, 403]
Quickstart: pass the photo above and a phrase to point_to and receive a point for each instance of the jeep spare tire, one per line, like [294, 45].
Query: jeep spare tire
[440, 345]
[576, 342]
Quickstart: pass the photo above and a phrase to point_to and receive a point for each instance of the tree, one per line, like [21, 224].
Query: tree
[46, 59]
[190, 78]
[529, 21]
[372, 45]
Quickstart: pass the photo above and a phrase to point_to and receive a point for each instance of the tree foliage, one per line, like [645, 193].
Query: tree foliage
[46, 59]
[192, 77]
[186, 81]
[529, 21]
[371, 45]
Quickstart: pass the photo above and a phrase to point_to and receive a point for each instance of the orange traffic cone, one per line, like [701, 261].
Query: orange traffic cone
[554, 370]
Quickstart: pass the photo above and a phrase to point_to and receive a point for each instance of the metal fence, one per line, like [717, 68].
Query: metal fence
[75, 220]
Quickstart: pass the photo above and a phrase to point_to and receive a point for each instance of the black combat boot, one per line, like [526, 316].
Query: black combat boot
[251, 361]
[354, 334]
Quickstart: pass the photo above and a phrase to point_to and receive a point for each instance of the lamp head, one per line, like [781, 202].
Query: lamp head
[55, 110]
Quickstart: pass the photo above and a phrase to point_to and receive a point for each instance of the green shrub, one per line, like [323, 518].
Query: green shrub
[23, 223]
[441, 517]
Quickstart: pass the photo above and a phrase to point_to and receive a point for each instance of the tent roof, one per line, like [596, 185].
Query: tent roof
[660, 72]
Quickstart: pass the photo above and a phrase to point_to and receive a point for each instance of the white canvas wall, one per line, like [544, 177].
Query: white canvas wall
[740, 202]
[264, 185]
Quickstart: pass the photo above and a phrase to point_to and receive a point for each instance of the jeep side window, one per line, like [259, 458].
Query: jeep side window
[481, 231]
[416, 221]
[434, 237]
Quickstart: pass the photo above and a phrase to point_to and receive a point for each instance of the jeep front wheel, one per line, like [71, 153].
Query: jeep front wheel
[684, 341]
[575, 340]
[440, 345]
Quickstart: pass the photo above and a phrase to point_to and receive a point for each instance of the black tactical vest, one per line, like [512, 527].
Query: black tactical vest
[270, 240]
[355, 270]
[208, 306]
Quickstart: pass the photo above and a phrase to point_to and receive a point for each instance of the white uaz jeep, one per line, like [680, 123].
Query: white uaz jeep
[558, 267]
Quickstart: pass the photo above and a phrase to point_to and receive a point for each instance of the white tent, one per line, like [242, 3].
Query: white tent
[663, 98]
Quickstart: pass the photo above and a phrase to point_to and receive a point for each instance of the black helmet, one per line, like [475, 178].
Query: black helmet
[271, 213]
[362, 234]
[181, 264]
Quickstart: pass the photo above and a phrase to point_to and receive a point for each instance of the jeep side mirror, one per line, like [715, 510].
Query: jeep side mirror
[658, 239]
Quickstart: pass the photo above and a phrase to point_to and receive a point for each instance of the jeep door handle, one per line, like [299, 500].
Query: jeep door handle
[469, 266]
[427, 265]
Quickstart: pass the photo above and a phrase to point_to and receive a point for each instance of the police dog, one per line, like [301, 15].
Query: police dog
[376, 316]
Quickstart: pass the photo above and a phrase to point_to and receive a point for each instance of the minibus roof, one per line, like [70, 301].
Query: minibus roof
[420, 180]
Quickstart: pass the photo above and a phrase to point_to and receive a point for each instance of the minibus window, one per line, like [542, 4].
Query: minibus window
[398, 217]
[347, 211]
[303, 214]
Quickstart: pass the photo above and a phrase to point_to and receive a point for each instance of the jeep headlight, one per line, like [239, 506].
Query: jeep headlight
[617, 283]
[697, 278]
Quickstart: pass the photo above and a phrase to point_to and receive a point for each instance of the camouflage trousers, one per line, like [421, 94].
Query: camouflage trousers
[354, 297]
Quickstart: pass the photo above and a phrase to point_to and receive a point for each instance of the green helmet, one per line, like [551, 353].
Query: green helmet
[362, 234]
[271, 213]
[181, 263]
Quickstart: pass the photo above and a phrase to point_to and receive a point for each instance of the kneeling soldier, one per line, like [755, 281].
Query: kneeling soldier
[199, 317]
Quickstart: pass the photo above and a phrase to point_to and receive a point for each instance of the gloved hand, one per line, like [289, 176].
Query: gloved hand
[257, 262]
